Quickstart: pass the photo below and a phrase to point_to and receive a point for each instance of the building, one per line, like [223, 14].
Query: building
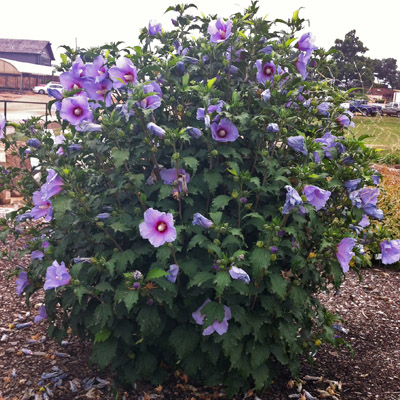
[29, 51]
[380, 94]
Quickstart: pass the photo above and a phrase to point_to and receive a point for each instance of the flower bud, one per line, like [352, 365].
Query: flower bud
[214, 153]
[260, 244]
[175, 156]
[217, 242]
[235, 194]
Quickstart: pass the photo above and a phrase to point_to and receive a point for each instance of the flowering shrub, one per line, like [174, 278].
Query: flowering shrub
[200, 195]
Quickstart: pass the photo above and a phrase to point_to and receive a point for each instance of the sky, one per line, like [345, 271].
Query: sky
[96, 22]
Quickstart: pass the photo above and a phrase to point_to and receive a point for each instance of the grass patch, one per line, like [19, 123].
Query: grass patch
[384, 132]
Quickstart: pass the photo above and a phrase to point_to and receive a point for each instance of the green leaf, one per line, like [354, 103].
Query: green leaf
[278, 285]
[259, 354]
[149, 321]
[104, 287]
[102, 315]
[197, 240]
[216, 217]
[130, 299]
[184, 339]
[213, 311]
[279, 352]
[185, 80]
[62, 204]
[210, 83]
[260, 259]
[156, 273]
[222, 280]
[191, 162]
[64, 58]
[298, 295]
[120, 261]
[200, 278]
[103, 353]
[119, 156]
[102, 336]
[212, 179]
[261, 375]
[221, 201]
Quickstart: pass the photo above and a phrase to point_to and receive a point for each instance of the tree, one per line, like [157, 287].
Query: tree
[386, 70]
[351, 66]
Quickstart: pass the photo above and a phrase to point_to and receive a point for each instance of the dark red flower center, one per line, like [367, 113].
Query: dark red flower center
[78, 111]
[45, 206]
[161, 226]
[128, 77]
[268, 70]
[222, 34]
[222, 133]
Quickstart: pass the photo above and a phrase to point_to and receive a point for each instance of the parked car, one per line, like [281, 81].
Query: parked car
[391, 109]
[42, 89]
[362, 106]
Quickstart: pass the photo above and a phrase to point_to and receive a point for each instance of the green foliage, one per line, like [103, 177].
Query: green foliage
[254, 270]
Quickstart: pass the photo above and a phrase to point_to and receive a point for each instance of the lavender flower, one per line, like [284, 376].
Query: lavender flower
[41, 314]
[266, 95]
[76, 109]
[150, 102]
[103, 216]
[292, 200]
[219, 30]
[316, 196]
[172, 176]
[53, 185]
[99, 91]
[123, 73]
[98, 70]
[224, 131]
[42, 208]
[344, 120]
[344, 252]
[202, 221]
[273, 249]
[298, 143]
[352, 184]
[37, 255]
[364, 221]
[56, 276]
[302, 62]
[239, 274]
[306, 43]
[75, 147]
[390, 251]
[193, 132]
[219, 327]
[158, 227]
[172, 273]
[265, 72]
[323, 108]
[155, 130]
[35, 143]
[272, 127]
[153, 28]
[22, 282]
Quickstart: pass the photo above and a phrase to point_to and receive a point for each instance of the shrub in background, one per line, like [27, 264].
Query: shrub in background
[199, 197]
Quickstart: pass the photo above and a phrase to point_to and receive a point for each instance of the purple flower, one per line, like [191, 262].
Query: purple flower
[216, 107]
[306, 43]
[317, 157]
[344, 252]
[99, 91]
[2, 125]
[219, 30]
[302, 62]
[292, 200]
[23, 217]
[390, 251]
[86, 126]
[366, 199]
[323, 108]
[180, 68]
[35, 143]
[239, 274]
[316, 196]
[265, 72]
[59, 139]
[153, 88]
[243, 200]
[224, 131]
[98, 70]
[219, 327]
[52, 186]
[37, 255]
[298, 143]
[344, 120]
[364, 221]
[272, 127]
[266, 95]
[123, 73]
[45, 244]
[75, 147]
[193, 132]
[172, 273]
[41, 314]
[76, 109]
[78, 260]
[375, 179]
[202, 221]
[103, 216]
[72, 80]
[42, 208]
[273, 249]
[150, 102]
[158, 227]
[136, 285]
[352, 184]
[154, 28]
[155, 130]
[22, 282]
[56, 275]
[267, 49]
[172, 176]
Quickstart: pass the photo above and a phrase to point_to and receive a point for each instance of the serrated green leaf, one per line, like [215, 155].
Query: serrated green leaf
[62, 204]
[260, 259]
[222, 280]
[103, 353]
[259, 354]
[278, 285]
[119, 156]
[184, 339]
[104, 286]
[200, 278]
[298, 295]
[220, 201]
[191, 162]
[185, 80]
[102, 336]
[102, 315]
[216, 217]
[213, 311]
[149, 321]
[212, 179]
[156, 273]
[197, 240]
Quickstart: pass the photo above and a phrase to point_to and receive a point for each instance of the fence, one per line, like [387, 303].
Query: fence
[7, 108]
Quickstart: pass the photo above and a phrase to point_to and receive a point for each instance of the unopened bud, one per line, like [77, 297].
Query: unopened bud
[260, 244]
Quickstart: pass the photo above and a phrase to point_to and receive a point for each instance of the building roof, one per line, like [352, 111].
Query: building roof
[29, 68]
[25, 46]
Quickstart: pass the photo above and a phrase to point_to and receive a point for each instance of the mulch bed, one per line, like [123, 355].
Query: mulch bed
[370, 310]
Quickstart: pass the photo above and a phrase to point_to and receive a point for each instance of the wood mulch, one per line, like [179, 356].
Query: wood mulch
[34, 367]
